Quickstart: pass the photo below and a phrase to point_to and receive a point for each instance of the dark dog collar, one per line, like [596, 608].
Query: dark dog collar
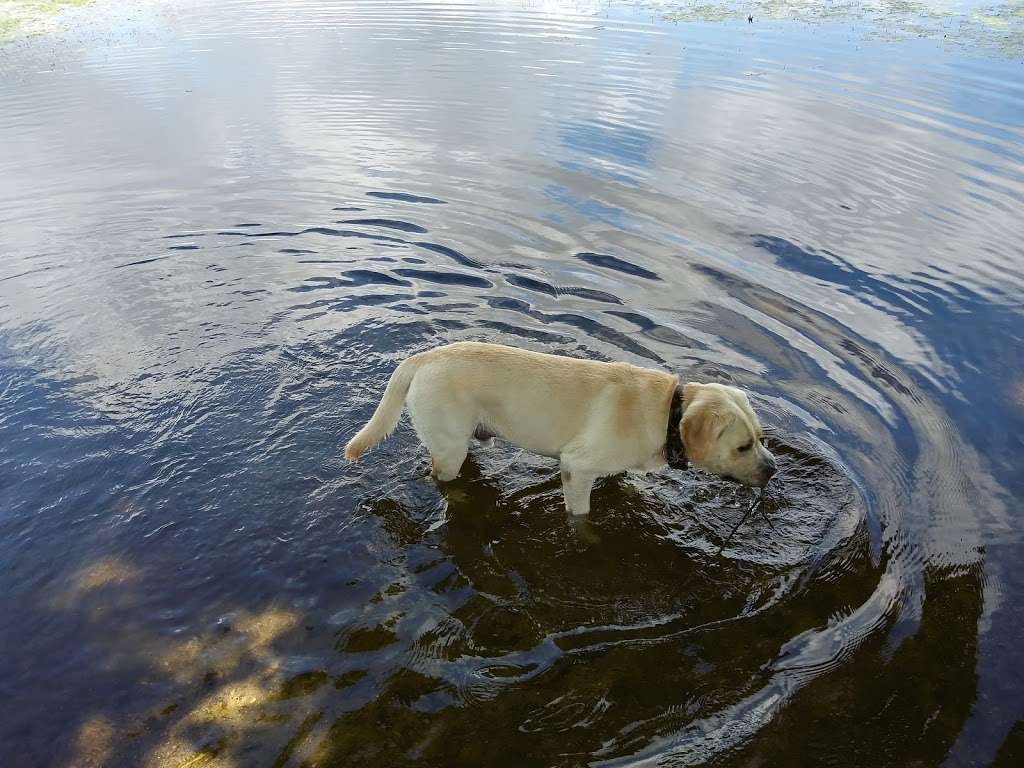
[675, 451]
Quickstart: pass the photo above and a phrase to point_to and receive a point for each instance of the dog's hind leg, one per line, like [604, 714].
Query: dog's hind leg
[446, 437]
[442, 423]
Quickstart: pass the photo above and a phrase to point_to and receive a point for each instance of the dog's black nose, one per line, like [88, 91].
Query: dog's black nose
[770, 467]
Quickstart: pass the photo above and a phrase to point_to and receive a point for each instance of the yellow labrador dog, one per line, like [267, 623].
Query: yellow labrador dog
[596, 418]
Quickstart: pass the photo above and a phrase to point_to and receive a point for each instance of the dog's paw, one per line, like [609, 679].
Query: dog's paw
[585, 530]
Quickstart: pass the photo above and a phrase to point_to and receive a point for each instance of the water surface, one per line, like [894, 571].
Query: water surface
[223, 225]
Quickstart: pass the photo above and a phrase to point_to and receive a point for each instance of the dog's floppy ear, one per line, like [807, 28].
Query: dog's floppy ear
[703, 422]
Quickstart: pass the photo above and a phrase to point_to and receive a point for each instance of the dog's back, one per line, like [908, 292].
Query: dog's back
[537, 401]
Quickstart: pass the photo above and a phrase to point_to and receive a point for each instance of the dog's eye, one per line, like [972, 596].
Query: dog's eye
[747, 447]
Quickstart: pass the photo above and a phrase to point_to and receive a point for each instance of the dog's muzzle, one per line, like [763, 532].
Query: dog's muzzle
[768, 469]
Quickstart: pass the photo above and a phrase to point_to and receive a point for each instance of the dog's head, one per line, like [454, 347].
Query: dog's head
[722, 434]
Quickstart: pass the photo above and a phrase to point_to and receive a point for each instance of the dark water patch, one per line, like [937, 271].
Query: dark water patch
[658, 332]
[353, 208]
[140, 262]
[461, 307]
[183, 235]
[591, 294]
[404, 226]
[619, 265]
[349, 304]
[330, 231]
[350, 278]
[352, 233]
[368, 277]
[183, 248]
[404, 197]
[451, 253]
[348, 679]
[532, 285]
[590, 326]
[528, 333]
[446, 278]
[540, 286]
[951, 590]
[295, 251]
[500, 658]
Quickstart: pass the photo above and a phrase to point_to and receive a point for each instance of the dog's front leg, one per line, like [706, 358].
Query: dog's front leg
[576, 485]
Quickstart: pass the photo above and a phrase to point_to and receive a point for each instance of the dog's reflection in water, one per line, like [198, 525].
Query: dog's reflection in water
[477, 492]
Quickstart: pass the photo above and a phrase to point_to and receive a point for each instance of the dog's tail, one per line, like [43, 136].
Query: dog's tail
[389, 411]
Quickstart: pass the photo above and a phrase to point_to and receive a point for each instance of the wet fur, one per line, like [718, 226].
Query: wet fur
[597, 418]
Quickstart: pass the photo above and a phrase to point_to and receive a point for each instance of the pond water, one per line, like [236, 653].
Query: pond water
[223, 224]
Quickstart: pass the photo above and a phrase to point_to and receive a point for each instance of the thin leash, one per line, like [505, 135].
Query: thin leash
[721, 547]
[746, 515]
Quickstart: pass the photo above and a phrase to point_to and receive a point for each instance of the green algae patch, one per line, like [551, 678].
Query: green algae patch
[301, 685]
[363, 640]
[31, 17]
[703, 12]
[996, 28]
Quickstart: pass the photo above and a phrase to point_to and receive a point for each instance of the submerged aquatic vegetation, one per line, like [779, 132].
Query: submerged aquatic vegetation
[992, 27]
[28, 17]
